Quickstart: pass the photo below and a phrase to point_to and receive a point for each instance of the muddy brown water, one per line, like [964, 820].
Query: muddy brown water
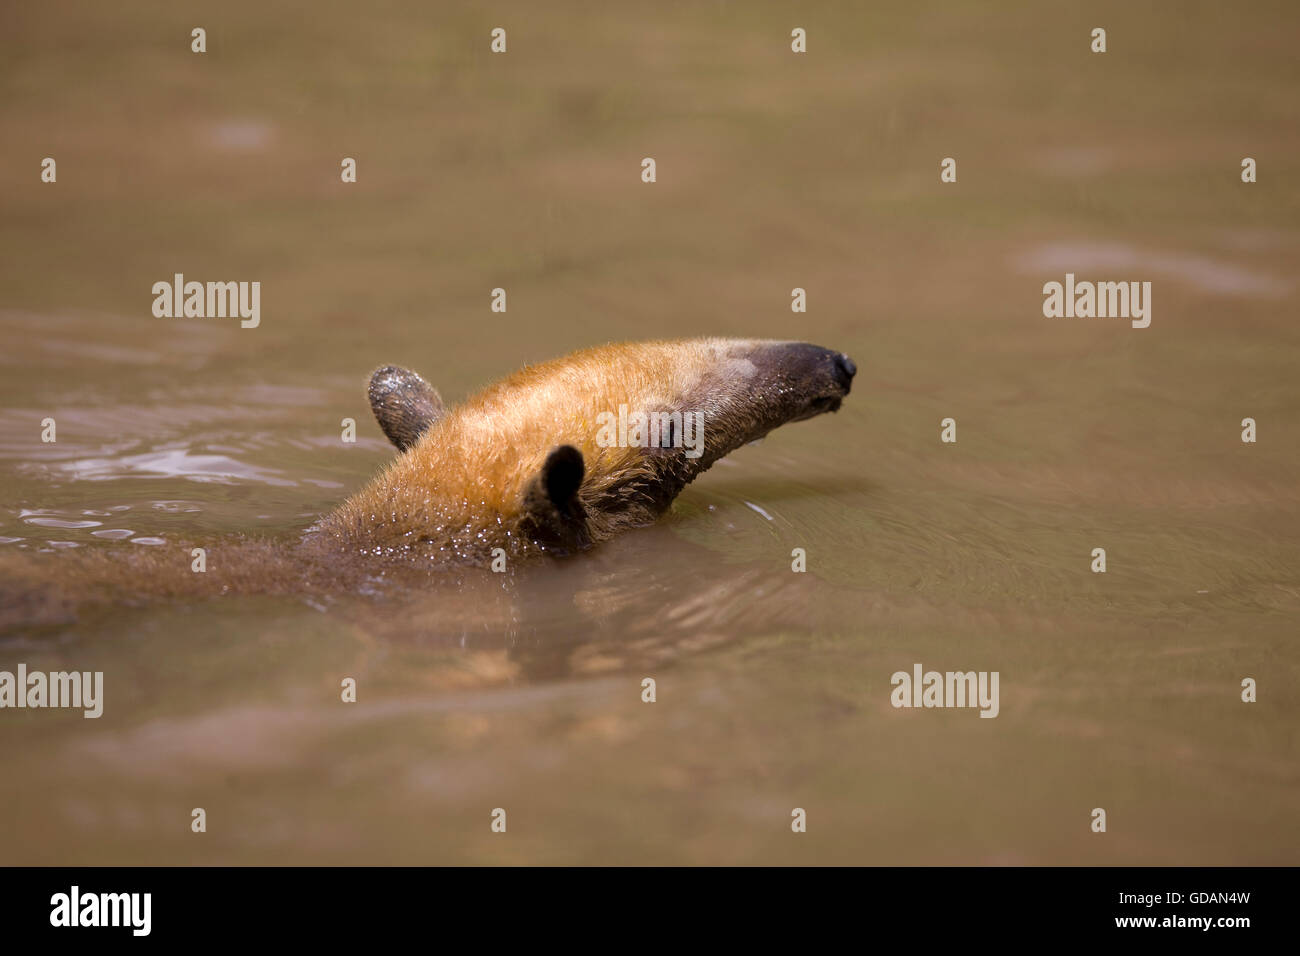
[523, 691]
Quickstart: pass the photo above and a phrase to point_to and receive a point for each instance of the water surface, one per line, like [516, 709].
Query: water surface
[523, 691]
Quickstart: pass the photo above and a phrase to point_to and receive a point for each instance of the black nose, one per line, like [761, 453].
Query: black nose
[845, 369]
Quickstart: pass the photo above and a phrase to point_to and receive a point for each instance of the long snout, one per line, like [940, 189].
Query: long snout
[811, 367]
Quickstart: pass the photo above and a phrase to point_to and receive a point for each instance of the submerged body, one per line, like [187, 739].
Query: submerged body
[524, 467]
[527, 465]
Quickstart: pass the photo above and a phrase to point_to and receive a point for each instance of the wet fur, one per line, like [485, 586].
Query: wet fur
[477, 477]
[470, 484]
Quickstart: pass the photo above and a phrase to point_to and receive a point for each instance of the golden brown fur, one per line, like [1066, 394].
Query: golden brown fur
[516, 467]
[462, 490]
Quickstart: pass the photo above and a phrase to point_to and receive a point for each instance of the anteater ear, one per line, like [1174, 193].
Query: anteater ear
[404, 404]
[552, 511]
[561, 476]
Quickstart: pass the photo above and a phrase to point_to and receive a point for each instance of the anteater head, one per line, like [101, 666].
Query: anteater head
[563, 455]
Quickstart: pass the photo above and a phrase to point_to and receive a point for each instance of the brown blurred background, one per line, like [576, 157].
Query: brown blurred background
[775, 171]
